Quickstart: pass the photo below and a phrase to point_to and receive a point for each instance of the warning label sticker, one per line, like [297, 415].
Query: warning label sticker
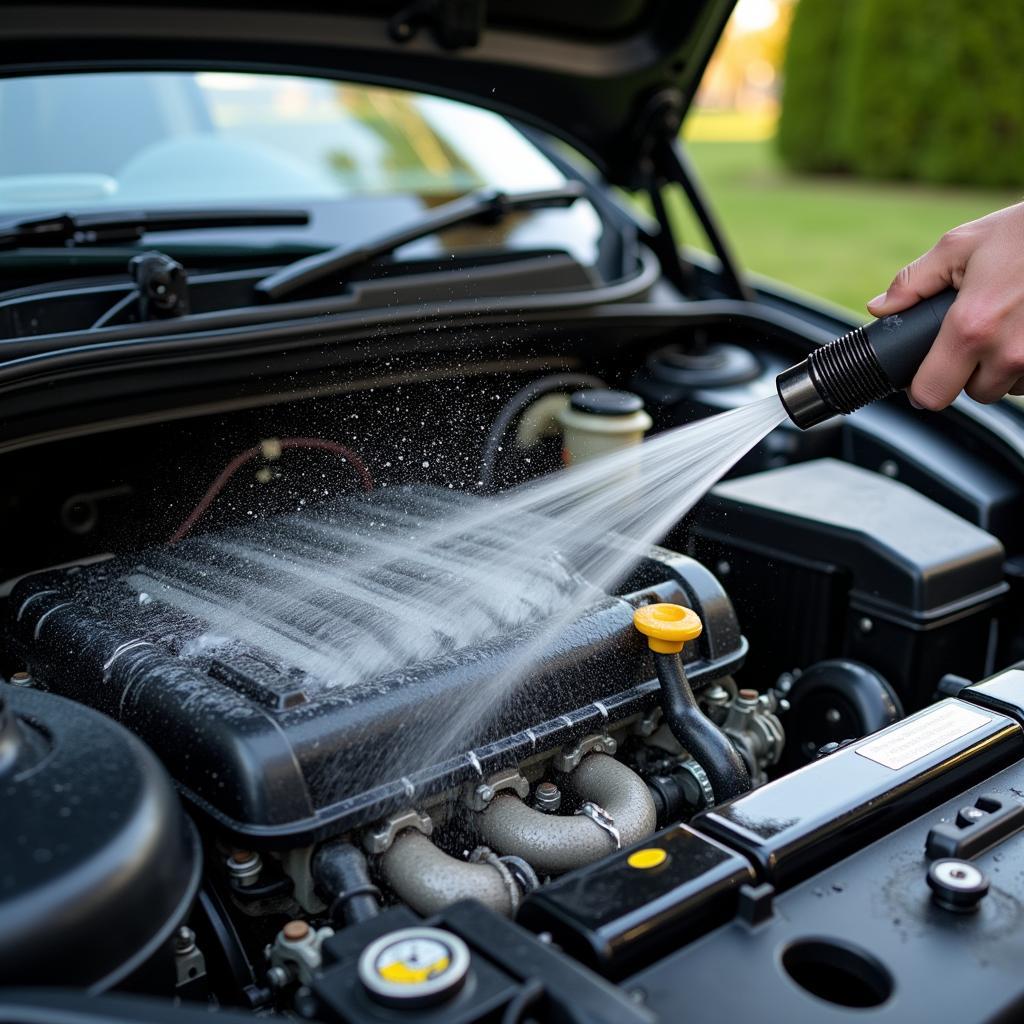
[922, 736]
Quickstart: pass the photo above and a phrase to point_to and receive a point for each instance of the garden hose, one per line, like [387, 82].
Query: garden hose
[860, 367]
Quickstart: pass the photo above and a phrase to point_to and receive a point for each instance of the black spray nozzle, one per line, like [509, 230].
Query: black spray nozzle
[864, 365]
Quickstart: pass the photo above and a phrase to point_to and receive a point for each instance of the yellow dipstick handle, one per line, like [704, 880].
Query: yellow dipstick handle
[667, 626]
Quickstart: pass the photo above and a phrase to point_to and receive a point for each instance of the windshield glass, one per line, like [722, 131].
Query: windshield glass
[177, 139]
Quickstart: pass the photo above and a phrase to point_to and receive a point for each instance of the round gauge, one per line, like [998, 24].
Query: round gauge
[414, 966]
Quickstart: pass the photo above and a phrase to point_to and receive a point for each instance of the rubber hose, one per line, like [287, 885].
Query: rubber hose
[552, 843]
[705, 742]
[428, 879]
[517, 404]
[342, 879]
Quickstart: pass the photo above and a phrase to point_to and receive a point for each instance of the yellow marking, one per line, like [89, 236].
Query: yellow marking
[648, 857]
[402, 974]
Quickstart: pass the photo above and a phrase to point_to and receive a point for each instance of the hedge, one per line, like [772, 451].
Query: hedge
[812, 87]
[903, 89]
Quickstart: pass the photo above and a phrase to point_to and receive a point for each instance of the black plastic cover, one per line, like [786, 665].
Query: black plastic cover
[862, 940]
[810, 818]
[507, 962]
[625, 911]
[903, 551]
[98, 864]
[54, 1005]
[855, 564]
[271, 754]
[1003, 692]
[342, 997]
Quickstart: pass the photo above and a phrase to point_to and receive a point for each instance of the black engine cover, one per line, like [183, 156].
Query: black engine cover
[272, 753]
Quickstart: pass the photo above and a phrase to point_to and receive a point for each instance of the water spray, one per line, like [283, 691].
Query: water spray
[860, 367]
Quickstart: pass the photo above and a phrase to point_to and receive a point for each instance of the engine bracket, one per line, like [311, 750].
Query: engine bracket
[379, 840]
[568, 758]
[479, 795]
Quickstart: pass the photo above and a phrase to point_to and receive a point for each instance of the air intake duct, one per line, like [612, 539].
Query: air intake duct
[860, 367]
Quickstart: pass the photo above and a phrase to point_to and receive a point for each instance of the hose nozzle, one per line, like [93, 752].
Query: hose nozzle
[860, 367]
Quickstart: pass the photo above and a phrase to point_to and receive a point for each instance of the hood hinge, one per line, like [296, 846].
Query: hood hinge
[659, 118]
[658, 160]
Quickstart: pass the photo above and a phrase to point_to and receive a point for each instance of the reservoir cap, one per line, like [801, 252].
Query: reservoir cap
[414, 967]
[606, 402]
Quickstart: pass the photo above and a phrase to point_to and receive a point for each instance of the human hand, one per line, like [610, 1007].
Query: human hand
[980, 347]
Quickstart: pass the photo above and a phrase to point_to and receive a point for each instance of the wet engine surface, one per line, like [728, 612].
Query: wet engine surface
[422, 754]
[222, 653]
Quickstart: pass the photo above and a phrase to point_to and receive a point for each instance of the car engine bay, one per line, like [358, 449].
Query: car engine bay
[247, 810]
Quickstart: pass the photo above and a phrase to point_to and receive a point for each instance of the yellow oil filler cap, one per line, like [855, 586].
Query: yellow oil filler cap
[667, 626]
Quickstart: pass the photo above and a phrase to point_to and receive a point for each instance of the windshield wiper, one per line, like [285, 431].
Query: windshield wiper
[338, 263]
[113, 227]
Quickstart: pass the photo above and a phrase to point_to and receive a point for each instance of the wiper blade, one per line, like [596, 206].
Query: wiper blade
[113, 227]
[338, 263]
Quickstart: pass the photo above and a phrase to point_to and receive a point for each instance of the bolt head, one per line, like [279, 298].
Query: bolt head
[970, 815]
[957, 885]
[278, 977]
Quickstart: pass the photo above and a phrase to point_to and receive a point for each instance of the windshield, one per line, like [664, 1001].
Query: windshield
[156, 139]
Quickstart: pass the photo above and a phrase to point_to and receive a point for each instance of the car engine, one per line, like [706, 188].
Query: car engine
[276, 779]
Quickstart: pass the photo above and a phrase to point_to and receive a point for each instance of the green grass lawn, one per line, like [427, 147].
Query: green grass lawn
[838, 238]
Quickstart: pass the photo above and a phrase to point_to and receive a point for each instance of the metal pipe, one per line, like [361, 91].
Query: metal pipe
[621, 812]
[428, 879]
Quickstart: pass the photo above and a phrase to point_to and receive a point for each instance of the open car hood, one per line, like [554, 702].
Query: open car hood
[608, 76]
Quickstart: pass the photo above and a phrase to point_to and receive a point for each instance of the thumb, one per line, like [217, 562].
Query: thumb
[927, 275]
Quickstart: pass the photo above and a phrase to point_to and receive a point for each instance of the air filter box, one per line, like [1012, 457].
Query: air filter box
[852, 563]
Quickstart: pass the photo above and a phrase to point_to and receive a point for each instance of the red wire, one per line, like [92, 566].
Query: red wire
[218, 485]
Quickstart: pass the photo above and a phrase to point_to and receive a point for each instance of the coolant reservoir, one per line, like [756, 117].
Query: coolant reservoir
[601, 421]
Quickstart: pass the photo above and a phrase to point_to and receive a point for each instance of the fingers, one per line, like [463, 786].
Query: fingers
[979, 349]
[987, 384]
[947, 368]
[938, 268]
[998, 374]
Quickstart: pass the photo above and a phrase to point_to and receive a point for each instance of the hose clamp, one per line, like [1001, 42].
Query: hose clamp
[603, 820]
[696, 772]
[485, 855]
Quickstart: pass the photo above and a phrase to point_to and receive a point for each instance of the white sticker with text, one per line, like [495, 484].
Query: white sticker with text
[924, 735]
